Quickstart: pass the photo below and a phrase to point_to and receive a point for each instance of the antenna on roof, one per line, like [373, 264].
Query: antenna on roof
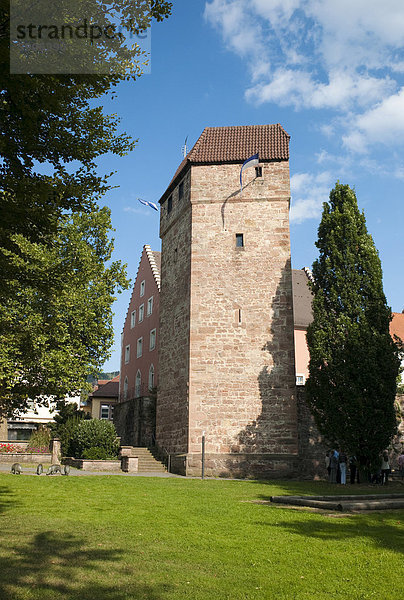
[184, 149]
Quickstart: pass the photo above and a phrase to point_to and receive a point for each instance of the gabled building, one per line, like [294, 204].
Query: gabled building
[102, 400]
[134, 414]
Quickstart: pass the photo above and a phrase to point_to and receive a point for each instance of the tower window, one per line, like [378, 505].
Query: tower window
[169, 204]
[258, 171]
[181, 191]
[239, 240]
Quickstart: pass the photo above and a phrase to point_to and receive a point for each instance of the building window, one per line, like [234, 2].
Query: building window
[151, 377]
[169, 204]
[106, 412]
[125, 389]
[258, 171]
[152, 344]
[127, 354]
[300, 379]
[181, 191]
[138, 384]
[141, 313]
[239, 240]
[142, 288]
[133, 319]
[139, 347]
[149, 306]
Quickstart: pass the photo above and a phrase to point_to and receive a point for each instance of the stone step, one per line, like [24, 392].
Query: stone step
[147, 462]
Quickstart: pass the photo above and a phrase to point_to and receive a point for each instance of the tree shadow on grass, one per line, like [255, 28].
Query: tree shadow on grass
[61, 567]
[383, 531]
[324, 488]
[7, 499]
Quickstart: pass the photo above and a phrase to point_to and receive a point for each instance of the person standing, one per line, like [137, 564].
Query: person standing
[342, 466]
[333, 467]
[353, 463]
[385, 468]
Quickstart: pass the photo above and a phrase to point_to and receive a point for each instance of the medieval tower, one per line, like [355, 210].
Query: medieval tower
[226, 316]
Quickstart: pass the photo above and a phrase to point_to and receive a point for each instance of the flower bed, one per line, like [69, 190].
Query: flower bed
[10, 453]
[9, 448]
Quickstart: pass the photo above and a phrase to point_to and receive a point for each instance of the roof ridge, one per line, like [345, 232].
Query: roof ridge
[153, 265]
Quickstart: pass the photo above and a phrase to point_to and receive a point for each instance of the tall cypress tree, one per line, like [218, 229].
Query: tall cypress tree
[353, 360]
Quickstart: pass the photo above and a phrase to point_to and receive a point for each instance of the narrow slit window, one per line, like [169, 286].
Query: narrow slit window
[239, 240]
[169, 204]
[258, 171]
[239, 316]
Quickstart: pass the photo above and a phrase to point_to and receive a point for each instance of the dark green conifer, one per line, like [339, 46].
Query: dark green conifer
[353, 360]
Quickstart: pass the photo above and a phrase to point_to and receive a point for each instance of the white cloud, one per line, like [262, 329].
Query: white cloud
[309, 191]
[383, 124]
[318, 53]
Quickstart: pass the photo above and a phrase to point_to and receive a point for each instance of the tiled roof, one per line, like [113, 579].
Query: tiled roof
[236, 144]
[218, 145]
[302, 298]
[397, 326]
[108, 390]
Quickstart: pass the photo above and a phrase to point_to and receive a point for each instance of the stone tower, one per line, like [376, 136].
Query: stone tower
[226, 316]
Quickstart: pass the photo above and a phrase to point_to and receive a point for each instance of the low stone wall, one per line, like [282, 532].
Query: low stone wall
[243, 465]
[93, 465]
[25, 458]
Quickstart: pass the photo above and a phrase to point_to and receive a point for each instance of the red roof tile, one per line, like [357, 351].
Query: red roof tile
[218, 145]
[397, 326]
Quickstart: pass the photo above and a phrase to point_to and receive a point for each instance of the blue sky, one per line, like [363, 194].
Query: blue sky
[332, 73]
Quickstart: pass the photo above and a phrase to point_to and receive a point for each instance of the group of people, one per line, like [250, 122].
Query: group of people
[337, 463]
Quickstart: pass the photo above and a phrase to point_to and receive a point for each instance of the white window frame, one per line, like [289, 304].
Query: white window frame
[300, 379]
[149, 306]
[152, 335]
[138, 384]
[141, 313]
[151, 377]
[133, 319]
[109, 409]
[142, 288]
[127, 354]
[139, 347]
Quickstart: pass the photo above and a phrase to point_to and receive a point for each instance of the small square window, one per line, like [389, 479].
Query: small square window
[127, 354]
[258, 171]
[300, 379]
[139, 347]
[132, 319]
[142, 288]
[149, 306]
[152, 344]
[181, 191]
[169, 204]
[104, 412]
[239, 240]
[141, 313]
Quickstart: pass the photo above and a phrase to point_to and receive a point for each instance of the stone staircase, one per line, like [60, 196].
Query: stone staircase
[147, 462]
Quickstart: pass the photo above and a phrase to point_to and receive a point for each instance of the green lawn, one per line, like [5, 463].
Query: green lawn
[125, 538]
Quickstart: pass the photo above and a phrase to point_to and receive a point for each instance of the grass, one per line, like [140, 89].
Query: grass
[124, 538]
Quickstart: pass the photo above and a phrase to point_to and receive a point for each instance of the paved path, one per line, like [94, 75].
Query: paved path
[5, 468]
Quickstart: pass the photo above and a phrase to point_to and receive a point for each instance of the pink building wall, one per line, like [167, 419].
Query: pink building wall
[133, 331]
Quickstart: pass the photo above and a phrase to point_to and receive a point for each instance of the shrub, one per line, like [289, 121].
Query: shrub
[93, 434]
[95, 454]
[39, 441]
